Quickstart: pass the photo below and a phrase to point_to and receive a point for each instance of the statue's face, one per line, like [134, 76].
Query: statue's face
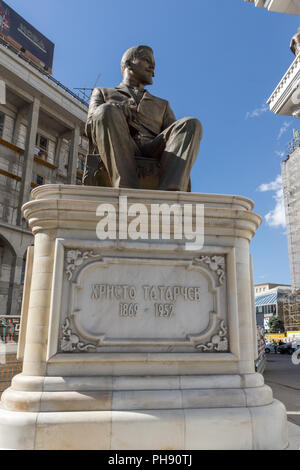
[142, 68]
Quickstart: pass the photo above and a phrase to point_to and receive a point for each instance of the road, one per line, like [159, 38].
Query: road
[284, 379]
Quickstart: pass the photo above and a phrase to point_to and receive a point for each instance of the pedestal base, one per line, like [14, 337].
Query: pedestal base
[139, 342]
[183, 418]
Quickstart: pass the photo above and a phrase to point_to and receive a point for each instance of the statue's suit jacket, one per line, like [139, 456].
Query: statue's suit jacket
[154, 114]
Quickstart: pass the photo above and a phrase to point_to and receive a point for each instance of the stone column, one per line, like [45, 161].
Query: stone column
[18, 122]
[39, 304]
[243, 270]
[2, 92]
[11, 286]
[73, 156]
[16, 282]
[57, 151]
[33, 117]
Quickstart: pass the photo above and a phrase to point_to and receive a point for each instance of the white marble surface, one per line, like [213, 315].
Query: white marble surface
[93, 379]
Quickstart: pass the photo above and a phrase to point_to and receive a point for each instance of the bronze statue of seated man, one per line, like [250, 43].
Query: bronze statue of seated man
[127, 121]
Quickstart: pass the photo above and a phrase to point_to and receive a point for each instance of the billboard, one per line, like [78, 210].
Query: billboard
[24, 36]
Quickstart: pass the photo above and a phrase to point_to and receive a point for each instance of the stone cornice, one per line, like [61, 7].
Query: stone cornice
[62, 191]
[66, 208]
[286, 86]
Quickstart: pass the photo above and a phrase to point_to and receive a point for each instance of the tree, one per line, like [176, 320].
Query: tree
[276, 325]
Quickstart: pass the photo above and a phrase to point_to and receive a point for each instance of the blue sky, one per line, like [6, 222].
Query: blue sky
[217, 60]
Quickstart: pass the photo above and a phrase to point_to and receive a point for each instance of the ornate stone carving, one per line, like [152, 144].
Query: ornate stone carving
[215, 263]
[75, 258]
[71, 342]
[282, 87]
[218, 342]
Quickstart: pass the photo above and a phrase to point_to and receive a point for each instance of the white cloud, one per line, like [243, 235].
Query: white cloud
[257, 112]
[280, 153]
[283, 129]
[276, 217]
[273, 186]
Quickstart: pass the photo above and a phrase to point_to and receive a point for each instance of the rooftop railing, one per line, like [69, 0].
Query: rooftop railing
[42, 71]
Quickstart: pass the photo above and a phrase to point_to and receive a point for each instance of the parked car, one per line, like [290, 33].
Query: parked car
[286, 348]
[269, 348]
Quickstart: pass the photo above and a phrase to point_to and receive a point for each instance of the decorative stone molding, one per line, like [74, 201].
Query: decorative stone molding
[227, 215]
[215, 264]
[71, 342]
[287, 85]
[218, 343]
[75, 258]
[97, 292]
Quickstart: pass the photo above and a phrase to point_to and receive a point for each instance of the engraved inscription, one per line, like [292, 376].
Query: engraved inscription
[171, 293]
[128, 310]
[164, 310]
[138, 304]
[152, 293]
[113, 292]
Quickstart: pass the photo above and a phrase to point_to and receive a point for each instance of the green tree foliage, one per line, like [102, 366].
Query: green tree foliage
[276, 325]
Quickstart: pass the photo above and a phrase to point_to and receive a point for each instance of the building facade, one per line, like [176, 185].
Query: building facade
[290, 169]
[41, 142]
[285, 100]
[269, 301]
[262, 289]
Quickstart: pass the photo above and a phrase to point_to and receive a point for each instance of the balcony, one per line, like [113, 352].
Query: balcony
[285, 99]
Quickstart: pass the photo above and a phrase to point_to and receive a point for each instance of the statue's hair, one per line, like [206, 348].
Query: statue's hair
[131, 54]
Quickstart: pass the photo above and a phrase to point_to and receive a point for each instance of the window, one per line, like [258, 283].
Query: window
[39, 179]
[80, 162]
[23, 270]
[2, 116]
[270, 308]
[43, 143]
[41, 148]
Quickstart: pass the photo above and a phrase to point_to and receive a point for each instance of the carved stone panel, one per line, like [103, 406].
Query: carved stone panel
[132, 304]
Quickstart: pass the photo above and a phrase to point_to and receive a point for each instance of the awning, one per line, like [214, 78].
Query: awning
[266, 299]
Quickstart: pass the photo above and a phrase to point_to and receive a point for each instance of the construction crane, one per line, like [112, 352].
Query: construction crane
[86, 92]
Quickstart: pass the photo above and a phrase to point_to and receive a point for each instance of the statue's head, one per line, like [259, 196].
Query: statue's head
[138, 61]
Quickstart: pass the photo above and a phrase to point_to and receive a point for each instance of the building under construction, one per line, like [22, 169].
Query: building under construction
[291, 190]
[42, 141]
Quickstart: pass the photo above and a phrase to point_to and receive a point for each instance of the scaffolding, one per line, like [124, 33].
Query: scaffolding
[290, 170]
[291, 310]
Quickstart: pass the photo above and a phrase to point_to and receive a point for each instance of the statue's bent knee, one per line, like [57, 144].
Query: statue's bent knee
[193, 124]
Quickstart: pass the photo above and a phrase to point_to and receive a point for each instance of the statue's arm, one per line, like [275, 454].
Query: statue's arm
[95, 101]
[169, 117]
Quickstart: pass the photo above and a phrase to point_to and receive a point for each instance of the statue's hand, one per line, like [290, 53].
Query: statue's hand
[129, 109]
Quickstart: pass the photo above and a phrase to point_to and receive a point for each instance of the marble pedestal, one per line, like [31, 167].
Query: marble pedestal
[138, 344]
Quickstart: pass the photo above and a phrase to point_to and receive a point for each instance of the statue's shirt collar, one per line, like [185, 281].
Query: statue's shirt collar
[127, 90]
